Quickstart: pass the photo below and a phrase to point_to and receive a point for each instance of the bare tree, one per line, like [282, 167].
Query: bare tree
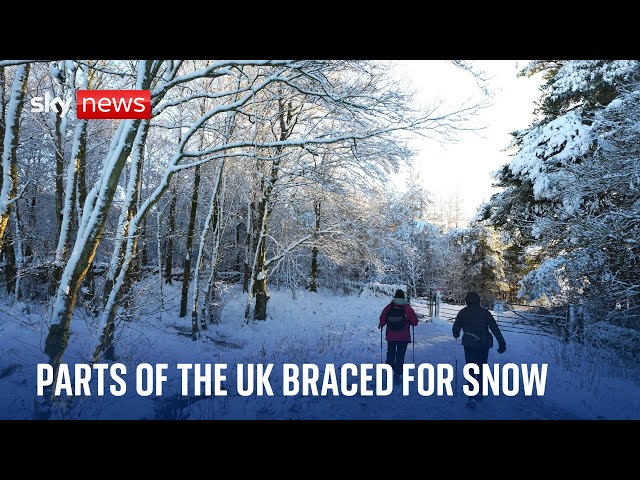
[9, 191]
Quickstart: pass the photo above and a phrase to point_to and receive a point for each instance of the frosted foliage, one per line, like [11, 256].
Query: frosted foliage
[571, 193]
[571, 201]
[383, 288]
[541, 226]
[544, 281]
[583, 75]
[561, 140]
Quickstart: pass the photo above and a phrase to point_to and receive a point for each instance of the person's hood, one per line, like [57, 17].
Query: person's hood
[472, 298]
[399, 301]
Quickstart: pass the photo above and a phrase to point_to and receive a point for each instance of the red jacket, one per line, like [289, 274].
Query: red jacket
[399, 335]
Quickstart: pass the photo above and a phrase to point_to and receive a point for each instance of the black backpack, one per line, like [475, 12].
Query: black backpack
[396, 318]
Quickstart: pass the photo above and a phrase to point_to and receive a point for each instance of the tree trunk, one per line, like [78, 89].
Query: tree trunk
[247, 254]
[5, 242]
[2, 119]
[159, 260]
[17, 247]
[144, 256]
[186, 271]
[260, 282]
[170, 232]
[31, 222]
[287, 120]
[10, 261]
[10, 146]
[59, 154]
[77, 152]
[141, 244]
[260, 273]
[94, 218]
[129, 206]
[213, 295]
[87, 241]
[314, 249]
[211, 222]
[238, 267]
[81, 175]
[129, 210]
[81, 197]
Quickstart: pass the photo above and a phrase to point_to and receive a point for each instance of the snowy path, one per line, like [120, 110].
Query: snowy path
[322, 328]
[434, 344]
[359, 342]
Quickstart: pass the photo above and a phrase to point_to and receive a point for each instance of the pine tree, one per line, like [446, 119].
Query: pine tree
[482, 263]
[570, 192]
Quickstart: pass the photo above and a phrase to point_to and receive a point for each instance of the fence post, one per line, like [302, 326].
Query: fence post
[498, 308]
[437, 307]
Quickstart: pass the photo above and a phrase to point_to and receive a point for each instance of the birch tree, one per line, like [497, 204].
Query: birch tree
[174, 166]
[74, 168]
[94, 217]
[211, 223]
[9, 189]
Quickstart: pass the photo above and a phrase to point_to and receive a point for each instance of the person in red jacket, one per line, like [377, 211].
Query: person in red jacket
[398, 316]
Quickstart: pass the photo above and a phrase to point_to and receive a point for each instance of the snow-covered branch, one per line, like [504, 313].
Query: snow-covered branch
[301, 241]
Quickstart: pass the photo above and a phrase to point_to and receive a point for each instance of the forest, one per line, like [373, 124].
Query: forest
[276, 175]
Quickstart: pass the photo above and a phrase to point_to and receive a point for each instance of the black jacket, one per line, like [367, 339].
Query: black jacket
[476, 321]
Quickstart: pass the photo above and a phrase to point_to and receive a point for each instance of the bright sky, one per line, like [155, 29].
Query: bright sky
[467, 165]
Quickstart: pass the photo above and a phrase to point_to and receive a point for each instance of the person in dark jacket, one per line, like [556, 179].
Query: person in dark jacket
[476, 321]
[398, 340]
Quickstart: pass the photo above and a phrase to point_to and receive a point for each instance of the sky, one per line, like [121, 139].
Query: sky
[466, 166]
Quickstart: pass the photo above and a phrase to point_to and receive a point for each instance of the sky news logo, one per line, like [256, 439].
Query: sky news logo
[99, 104]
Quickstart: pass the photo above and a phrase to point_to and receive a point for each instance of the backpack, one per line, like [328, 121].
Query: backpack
[396, 318]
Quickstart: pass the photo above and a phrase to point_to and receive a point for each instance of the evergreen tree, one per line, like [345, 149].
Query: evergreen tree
[571, 193]
[482, 264]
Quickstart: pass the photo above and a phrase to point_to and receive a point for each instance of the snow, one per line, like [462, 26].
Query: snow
[318, 328]
[79, 132]
[560, 140]
[546, 280]
[93, 213]
[581, 162]
[12, 114]
[136, 163]
[203, 236]
[582, 75]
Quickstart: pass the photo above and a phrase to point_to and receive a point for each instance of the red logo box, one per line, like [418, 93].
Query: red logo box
[113, 104]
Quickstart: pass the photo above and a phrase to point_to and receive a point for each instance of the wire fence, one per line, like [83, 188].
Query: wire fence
[563, 322]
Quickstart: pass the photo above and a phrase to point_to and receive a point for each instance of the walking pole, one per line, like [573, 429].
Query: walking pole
[381, 344]
[413, 348]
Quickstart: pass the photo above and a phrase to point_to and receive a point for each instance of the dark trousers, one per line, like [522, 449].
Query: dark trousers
[395, 355]
[479, 356]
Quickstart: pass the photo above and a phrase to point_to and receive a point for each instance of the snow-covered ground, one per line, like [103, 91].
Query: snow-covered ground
[318, 328]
